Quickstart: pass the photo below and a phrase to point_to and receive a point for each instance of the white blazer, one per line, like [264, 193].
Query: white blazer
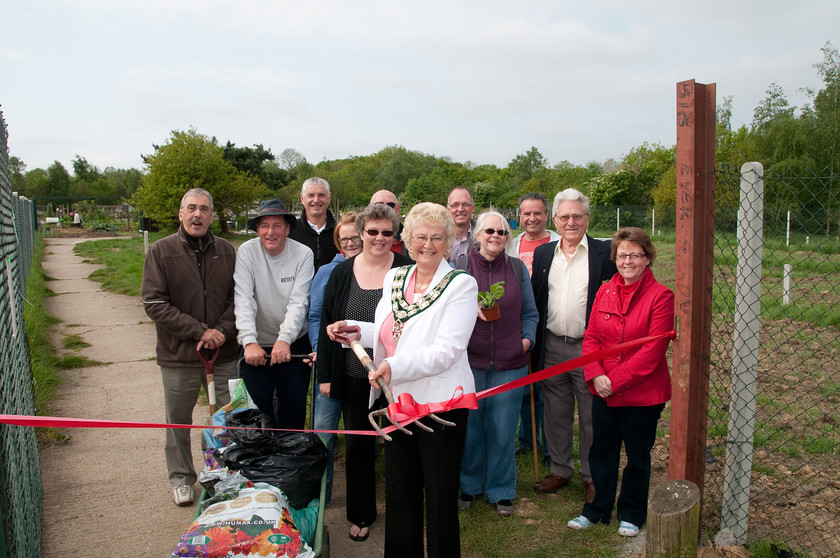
[431, 357]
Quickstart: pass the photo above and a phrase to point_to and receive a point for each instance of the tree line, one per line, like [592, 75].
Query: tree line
[782, 137]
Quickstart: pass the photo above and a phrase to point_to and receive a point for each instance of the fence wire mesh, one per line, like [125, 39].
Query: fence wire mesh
[793, 491]
[20, 473]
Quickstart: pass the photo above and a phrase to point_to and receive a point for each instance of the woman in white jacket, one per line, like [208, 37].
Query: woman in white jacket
[423, 325]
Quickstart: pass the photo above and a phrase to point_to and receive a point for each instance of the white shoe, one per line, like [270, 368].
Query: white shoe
[183, 495]
[580, 522]
[626, 529]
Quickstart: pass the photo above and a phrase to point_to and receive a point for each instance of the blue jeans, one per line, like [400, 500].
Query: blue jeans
[488, 465]
[327, 411]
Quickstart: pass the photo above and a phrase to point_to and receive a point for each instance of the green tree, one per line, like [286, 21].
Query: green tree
[59, 180]
[398, 165]
[827, 110]
[18, 170]
[37, 183]
[523, 167]
[259, 162]
[122, 182]
[192, 160]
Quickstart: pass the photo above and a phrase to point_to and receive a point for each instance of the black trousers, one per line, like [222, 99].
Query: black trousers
[424, 465]
[279, 390]
[361, 453]
[636, 428]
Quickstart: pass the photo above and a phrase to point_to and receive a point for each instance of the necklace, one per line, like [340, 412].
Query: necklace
[421, 285]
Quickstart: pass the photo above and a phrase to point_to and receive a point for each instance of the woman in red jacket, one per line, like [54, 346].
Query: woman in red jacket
[629, 389]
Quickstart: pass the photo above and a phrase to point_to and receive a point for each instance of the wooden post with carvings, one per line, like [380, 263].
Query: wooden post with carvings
[693, 279]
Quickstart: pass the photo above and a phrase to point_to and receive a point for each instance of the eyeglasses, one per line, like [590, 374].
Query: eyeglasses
[376, 232]
[500, 232]
[392, 205]
[632, 257]
[465, 205]
[574, 216]
[421, 239]
[354, 239]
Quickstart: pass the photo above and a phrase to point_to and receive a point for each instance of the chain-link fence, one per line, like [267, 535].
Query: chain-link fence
[20, 473]
[773, 470]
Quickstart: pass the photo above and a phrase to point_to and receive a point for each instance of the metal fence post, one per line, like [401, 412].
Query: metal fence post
[742, 397]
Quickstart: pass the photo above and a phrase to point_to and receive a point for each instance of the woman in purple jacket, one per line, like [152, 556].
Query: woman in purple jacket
[498, 353]
[629, 389]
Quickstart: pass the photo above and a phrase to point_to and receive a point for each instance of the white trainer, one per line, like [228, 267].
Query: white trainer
[183, 495]
[627, 529]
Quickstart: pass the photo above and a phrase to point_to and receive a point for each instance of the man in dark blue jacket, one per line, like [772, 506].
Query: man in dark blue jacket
[566, 276]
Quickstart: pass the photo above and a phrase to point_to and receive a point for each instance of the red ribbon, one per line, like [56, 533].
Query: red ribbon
[405, 410]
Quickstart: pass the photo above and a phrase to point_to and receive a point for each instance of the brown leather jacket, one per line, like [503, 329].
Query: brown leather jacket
[184, 298]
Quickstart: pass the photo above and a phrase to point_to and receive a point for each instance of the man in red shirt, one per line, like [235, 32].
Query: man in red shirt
[533, 217]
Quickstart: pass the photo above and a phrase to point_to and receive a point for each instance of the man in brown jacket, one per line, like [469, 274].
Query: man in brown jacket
[188, 293]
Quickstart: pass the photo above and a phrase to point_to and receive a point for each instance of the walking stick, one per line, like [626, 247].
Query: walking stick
[211, 381]
[534, 431]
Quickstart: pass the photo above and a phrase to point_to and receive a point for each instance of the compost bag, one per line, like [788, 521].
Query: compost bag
[294, 462]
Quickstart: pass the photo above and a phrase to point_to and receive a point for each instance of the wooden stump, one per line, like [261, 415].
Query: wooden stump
[673, 523]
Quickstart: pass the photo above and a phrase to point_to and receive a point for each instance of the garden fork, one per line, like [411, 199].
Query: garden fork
[386, 389]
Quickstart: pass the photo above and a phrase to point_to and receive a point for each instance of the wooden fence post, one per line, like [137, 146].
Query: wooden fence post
[673, 521]
[693, 279]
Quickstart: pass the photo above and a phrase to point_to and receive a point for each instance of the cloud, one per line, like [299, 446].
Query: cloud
[13, 54]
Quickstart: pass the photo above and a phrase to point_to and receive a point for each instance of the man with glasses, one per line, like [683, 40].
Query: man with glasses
[566, 276]
[273, 275]
[388, 198]
[461, 206]
[188, 294]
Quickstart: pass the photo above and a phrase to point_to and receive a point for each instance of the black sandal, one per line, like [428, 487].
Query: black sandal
[360, 537]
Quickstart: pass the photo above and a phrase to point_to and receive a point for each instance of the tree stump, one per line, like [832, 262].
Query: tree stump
[673, 523]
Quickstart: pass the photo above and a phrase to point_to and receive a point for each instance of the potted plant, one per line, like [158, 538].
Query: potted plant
[487, 300]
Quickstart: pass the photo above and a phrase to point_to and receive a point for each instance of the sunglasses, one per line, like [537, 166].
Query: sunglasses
[500, 232]
[376, 232]
[392, 205]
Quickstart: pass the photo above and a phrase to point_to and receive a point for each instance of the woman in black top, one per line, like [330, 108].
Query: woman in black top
[352, 292]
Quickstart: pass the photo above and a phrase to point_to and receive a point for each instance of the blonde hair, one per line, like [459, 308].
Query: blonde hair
[433, 214]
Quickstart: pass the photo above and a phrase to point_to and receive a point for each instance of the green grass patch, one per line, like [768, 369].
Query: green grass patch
[123, 260]
[45, 377]
[773, 548]
[74, 342]
[820, 445]
[45, 363]
[538, 527]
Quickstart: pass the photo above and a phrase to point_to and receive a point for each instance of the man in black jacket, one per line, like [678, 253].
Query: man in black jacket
[316, 220]
[566, 276]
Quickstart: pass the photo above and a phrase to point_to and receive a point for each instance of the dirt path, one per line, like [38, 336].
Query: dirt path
[107, 488]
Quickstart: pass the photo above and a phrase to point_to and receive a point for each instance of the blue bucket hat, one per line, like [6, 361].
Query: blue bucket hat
[272, 207]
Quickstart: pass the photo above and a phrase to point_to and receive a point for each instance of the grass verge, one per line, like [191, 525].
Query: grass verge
[45, 362]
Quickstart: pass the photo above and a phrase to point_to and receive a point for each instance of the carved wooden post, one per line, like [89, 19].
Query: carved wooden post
[693, 279]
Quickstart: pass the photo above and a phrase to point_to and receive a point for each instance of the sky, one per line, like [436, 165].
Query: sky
[478, 81]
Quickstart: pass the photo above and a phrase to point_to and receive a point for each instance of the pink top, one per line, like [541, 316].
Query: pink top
[386, 332]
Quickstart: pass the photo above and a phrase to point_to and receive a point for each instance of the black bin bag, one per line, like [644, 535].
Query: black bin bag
[294, 462]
